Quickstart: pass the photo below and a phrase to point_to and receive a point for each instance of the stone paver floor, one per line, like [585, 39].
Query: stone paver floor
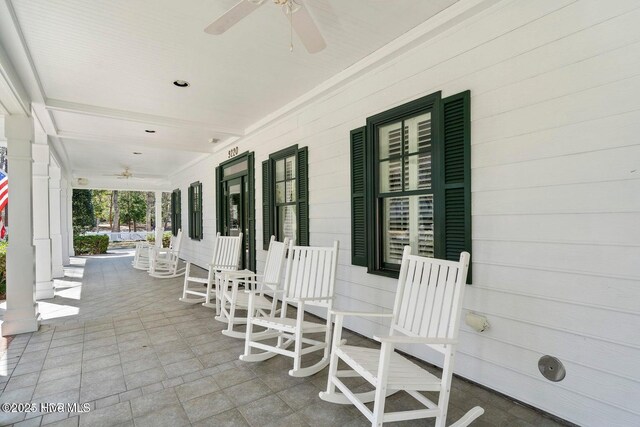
[120, 342]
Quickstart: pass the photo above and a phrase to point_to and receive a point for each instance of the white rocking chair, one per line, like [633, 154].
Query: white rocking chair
[141, 257]
[309, 280]
[426, 311]
[226, 257]
[165, 262]
[231, 299]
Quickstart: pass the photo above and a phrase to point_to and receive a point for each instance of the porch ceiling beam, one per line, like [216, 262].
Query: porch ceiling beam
[96, 111]
[101, 139]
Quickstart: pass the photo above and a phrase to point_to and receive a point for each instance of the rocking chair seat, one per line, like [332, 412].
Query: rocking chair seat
[288, 325]
[259, 301]
[403, 374]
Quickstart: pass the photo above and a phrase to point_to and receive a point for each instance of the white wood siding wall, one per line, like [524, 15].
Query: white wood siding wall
[555, 90]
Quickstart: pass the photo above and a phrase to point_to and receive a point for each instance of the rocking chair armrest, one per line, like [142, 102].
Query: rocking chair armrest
[240, 273]
[360, 313]
[306, 299]
[264, 291]
[398, 339]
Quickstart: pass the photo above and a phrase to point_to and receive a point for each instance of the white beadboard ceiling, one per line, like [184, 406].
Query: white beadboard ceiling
[106, 70]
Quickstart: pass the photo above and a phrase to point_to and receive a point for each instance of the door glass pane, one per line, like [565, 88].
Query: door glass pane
[408, 221]
[280, 192]
[417, 172]
[417, 133]
[287, 224]
[290, 167]
[389, 140]
[280, 170]
[390, 176]
[235, 209]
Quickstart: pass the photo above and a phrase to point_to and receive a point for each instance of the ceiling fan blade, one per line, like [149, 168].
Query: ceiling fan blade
[307, 30]
[231, 17]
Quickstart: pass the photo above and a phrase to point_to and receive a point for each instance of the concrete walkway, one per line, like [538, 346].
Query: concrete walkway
[120, 342]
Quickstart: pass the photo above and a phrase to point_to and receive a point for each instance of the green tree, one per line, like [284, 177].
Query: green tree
[133, 208]
[102, 205]
[82, 208]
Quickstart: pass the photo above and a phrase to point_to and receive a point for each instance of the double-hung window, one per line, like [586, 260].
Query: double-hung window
[176, 212]
[195, 211]
[410, 181]
[285, 196]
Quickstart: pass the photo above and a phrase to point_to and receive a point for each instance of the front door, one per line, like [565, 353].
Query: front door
[235, 206]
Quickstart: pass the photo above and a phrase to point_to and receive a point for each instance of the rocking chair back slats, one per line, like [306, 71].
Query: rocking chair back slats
[226, 252]
[427, 296]
[310, 273]
[163, 263]
[273, 264]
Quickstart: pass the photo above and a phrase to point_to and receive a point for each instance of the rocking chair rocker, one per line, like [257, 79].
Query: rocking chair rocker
[309, 280]
[231, 299]
[226, 257]
[426, 311]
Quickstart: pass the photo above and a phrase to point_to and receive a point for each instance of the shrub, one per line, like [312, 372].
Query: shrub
[166, 238]
[89, 245]
[3, 269]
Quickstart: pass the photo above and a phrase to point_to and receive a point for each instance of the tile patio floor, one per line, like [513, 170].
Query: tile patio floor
[121, 341]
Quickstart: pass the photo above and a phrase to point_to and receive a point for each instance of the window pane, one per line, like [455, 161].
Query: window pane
[390, 176]
[407, 221]
[287, 223]
[390, 140]
[291, 191]
[290, 167]
[417, 133]
[280, 191]
[280, 170]
[417, 172]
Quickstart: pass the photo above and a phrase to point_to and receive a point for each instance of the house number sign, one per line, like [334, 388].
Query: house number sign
[233, 152]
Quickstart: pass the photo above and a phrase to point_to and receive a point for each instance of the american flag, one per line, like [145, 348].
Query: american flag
[4, 189]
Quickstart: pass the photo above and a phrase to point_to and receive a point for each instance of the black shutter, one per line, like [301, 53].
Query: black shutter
[303, 196]
[199, 219]
[457, 175]
[174, 229]
[359, 197]
[190, 209]
[267, 204]
[219, 202]
[178, 221]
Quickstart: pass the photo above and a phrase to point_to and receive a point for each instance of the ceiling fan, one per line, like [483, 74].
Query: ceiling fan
[300, 21]
[125, 174]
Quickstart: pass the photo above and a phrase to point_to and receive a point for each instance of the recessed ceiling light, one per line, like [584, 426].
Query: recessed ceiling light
[137, 152]
[181, 83]
[150, 131]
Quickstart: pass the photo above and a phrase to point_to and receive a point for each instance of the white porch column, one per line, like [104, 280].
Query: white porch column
[41, 237]
[64, 229]
[159, 230]
[72, 251]
[22, 310]
[55, 225]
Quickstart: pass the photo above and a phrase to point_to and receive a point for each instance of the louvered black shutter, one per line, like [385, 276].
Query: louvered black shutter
[178, 220]
[174, 229]
[199, 219]
[219, 202]
[303, 196]
[457, 175]
[359, 197]
[267, 204]
[190, 209]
